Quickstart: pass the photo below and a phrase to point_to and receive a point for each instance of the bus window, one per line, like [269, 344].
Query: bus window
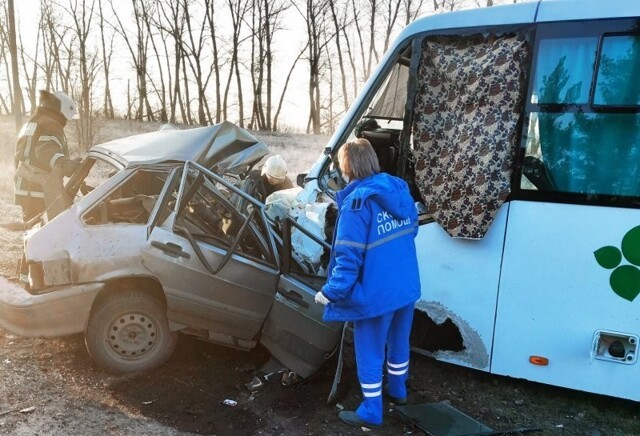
[617, 82]
[564, 67]
[579, 142]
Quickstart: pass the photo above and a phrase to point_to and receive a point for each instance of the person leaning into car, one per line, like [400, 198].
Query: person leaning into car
[270, 178]
[373, 276]
[42, 156]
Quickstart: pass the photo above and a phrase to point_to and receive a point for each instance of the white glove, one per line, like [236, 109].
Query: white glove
[321, 299]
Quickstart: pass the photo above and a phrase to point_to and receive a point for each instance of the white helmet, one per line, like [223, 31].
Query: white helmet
[275, 167]
[67, 106]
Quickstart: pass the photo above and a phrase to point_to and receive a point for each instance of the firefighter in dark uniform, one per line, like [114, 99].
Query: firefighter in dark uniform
[42, 157]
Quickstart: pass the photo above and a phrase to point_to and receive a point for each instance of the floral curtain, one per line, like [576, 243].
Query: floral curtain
[468, 103]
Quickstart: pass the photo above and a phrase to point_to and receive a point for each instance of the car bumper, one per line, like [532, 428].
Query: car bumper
[62, 312]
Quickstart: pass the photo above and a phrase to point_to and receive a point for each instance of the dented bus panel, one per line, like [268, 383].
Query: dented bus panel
[518, 129]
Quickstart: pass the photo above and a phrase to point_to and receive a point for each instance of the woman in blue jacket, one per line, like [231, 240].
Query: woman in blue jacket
[373, 276]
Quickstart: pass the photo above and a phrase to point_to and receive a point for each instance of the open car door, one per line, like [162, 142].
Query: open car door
[294, 332]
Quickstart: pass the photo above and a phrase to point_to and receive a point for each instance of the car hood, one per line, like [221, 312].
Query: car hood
[221, 146]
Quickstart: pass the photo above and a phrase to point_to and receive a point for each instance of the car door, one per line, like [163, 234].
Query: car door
[294, 331]
[216, 265]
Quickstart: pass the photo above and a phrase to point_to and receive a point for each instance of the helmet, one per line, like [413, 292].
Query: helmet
[67, 106]
[275, 167]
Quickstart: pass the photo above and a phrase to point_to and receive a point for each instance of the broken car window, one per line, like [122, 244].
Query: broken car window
[207, 215]
[132, 202]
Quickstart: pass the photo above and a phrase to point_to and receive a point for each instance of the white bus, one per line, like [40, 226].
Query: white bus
[518, 129]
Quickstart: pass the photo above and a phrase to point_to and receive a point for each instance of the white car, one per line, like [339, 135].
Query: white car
[161, 247]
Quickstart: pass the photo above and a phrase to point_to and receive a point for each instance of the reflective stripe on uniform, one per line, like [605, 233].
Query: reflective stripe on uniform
[47, 138]
[397, 368]
[378, 242]
[54, 158]
[27, 150]
[28, 130]
[21, 192]
[370, 390]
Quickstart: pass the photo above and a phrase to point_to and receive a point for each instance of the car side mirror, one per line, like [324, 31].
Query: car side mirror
[300, 179]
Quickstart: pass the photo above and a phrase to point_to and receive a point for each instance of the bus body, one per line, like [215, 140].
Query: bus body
[546, 290]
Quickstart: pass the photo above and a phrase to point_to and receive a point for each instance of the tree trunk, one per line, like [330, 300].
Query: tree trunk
[17, 95]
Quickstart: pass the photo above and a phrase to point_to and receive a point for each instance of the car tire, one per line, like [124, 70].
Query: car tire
[129, 331]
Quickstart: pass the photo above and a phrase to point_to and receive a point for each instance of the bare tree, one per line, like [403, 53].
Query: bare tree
[172, 22]
[107, 52]
[138, 52]
[339, 28]
[447, 5]
[238, 9]
[352, 61]
[266, 21]
[284, 89]
[150, 26]
[314, 15]
[50, 55]
[193, 47]
[31, 78]
[392, 12]
[412, 9]
[210, 14]
[17, 112]
[82, 15]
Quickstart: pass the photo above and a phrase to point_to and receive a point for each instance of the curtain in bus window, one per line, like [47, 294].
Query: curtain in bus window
[590, 153]
[564, 67]
[617, 82]
[586, 151]
[467, 106]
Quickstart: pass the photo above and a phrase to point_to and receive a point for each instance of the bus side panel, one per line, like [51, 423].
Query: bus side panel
[554, 296]
[459, 280]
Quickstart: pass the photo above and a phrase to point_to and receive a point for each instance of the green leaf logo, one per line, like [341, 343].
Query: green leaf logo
[631, 246]
[624, 279]
[608, 257]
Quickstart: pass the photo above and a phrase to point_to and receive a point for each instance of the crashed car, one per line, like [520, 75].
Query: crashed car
[155, 244]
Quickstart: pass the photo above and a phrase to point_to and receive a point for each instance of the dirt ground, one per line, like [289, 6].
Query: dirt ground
[51, 387]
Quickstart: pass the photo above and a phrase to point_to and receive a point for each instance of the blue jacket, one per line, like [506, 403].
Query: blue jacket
[373, 268]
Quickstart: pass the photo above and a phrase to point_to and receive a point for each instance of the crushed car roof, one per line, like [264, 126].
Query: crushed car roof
[207, 146]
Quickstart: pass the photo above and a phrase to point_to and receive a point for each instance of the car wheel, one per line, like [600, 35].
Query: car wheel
[128, 332]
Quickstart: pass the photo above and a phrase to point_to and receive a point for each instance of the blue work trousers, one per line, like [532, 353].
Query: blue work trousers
[371, 337]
